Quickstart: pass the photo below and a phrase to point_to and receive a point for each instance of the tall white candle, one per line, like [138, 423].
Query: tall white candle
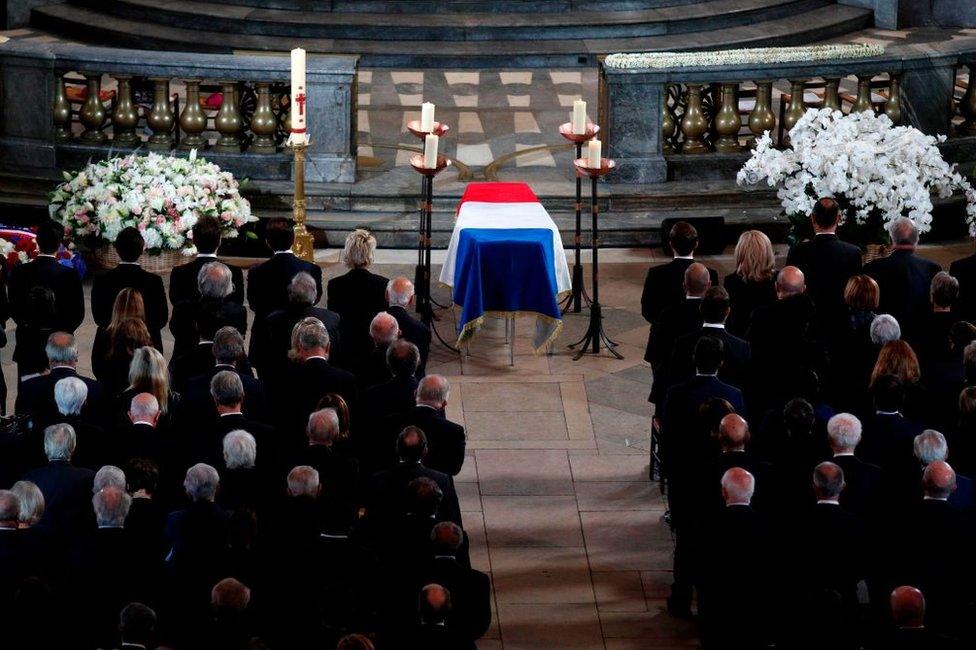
[593, 154]
[427, 117]
[430, 151]
[299, 112]
[579, 117]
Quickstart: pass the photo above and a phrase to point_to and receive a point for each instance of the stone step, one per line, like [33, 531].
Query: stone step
[456, 6]
[89, 25]
[717, 14]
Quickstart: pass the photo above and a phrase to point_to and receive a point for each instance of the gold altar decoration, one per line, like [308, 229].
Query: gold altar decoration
[125, 116]
[304, 244]
[727, 121]
[693, 123]
[762, 118]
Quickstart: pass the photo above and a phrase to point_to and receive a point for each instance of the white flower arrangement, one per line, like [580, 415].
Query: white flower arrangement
[162, 196]
[744, 56]
[862, 158]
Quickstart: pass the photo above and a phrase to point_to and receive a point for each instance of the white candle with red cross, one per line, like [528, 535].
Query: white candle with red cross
[299, 115]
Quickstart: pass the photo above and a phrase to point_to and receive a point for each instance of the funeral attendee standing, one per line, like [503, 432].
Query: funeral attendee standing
[357, 296]
[400, 296]
[753, 284]
[183, 278]
[215, 284]
[107, 285]
[663, 284]
[267, 283]
[43, 274]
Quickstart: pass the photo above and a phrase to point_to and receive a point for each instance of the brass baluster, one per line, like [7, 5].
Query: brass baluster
[796, 108]
[832, 94]
[125, 117]
[892, 107]
[967, 105]
[863, 102]
[727, 121]
[228, 120]
[92, 113]
[61, 111]
[693, 122]
[762, 118]
[263, 122]
[668, 125]
[161, 118]
[193, 121]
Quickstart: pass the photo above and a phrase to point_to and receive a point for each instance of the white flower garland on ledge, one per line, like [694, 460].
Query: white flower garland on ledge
[745, 56]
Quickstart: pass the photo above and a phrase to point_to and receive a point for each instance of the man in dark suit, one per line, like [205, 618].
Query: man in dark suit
[827, 263]
[829, 525]
[183, 278]
[228, 352]
[67, 489]
[663, 286]
[672, 323]
[433, 630]
[372, 368]
[933, 338]
[735, 560]
[106, 570]
[684, 445]
[267, 282]
[733, 436]
[129, 275]
[904, 278]
[964, 270]
[95, 446]
[862, 481]
[215, 285]
[931, 446]
[44, 273]
[780, 338]
[227, 393]
[445, 439]
[385, 498]
[271, 356]
[397, 394]
[400, 296]
[338, 470]
[735, 351]
[911, 631]
[888, 435]
[35, 397]
[312, 378]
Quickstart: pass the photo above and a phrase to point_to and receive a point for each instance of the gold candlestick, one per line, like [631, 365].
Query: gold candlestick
[304, 244]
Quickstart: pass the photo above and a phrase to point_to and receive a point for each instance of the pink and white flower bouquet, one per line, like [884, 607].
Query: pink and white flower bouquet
[162, 196]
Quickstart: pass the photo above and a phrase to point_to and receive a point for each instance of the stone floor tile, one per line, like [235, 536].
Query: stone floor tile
[530, 425]
[657, 584]
[469, 470]
[532, 521]
[524, 472]
[549, 626]
[513, 396]
[620, 393]
[469, 497]
[655, 624]
[541, 575]
[632, 540]
[618, 495]
[606, 468]
[621, 428]
[619, 591]
[474, 526]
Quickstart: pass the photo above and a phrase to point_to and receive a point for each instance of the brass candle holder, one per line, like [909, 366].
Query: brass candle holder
[304, 244]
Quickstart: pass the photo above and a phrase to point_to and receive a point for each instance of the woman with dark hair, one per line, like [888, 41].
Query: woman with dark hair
[113, 347]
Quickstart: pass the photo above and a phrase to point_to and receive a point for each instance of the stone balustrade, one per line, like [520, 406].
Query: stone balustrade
[663, 124]
[63, 104]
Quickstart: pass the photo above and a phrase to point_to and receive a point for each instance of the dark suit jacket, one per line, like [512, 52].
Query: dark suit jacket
[445, 439]
[268, 445]
[832, 526]
[673, 322]
[780, 336]
[267, 282]
[307, 383]
[35, 396]
[339, 477]
[905, 280]
[735, 357]
[184, 322]
[183, 285]
[862, 492]
[274, 332]
[386, 491]
[198, 403]
[470, 594]
[107, 285]
[67, 494]
[357, 296]
[964, 270]
[198, 550]
[663, 287]
[827, 263]
[69, 309]
[195, 361]
[372, 369]
[744, 297]
[710, 480]
[414, 331]
[382, 400]
[888, 441]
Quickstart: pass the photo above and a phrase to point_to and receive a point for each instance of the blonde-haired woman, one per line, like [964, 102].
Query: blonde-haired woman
[753, 284]
[148, 373]
[357, 296]
[128, 305]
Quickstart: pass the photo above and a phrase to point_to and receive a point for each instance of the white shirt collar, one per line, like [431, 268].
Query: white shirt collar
[717, 326]
[126, 644]
[128, 263]
[702, 374]
[888, 412]
[209, 255]
[53, 257]
[844, 453]
[63, 365]
[737, 503]
[316, 356]
[150, 424]
[832, 502]
[287, 252]
[684, 257]
[111, 527]
[935, 498]
[825, 233]
[205, 343]
[223, 415]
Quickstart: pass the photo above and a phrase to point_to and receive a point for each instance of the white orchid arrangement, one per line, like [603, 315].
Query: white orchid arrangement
[863, 159]
[162, 196]
[743, 56]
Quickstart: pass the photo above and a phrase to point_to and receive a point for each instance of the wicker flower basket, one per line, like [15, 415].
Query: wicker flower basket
[106, 257]
[874, 252]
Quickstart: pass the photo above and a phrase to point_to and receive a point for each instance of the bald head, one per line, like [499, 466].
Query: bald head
[908, 607]
[384, 328]
[938, 480]
[733, 432]
[790, 282]
[433, 391]
[828, 481]
[697, 280]
[738, 486]
[399, 292]
[435, 603]
[230, 594]
[144, 408]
